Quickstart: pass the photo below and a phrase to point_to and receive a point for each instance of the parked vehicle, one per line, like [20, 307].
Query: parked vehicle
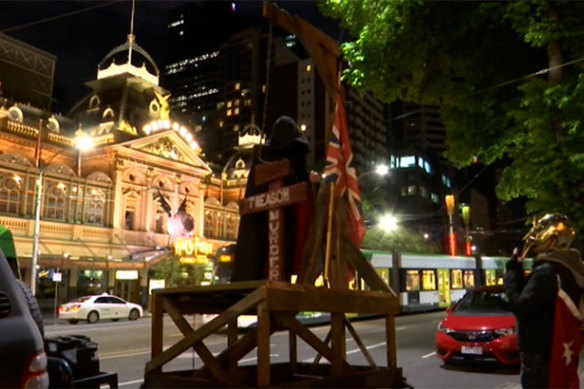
[24, 362]
[96, 307]
[480, 327]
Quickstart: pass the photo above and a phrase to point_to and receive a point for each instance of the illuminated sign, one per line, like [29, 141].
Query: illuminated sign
[192, 250]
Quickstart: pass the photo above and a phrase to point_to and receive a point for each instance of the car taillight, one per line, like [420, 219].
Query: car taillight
[36, 375]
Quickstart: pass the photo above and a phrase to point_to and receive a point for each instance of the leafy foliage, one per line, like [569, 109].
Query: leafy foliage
[485, 64]
[402, 240]
[173, 272]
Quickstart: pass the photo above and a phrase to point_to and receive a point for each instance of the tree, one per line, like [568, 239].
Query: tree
[507, 77]
[402, 240]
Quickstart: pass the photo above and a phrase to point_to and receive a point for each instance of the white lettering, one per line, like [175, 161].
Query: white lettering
[274, 244]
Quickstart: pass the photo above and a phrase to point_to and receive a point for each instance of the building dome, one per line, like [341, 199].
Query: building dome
[129, 58]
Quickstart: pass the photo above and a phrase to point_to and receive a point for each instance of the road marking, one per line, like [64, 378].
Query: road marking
[131, 382]
[429, 355]
[352, 351]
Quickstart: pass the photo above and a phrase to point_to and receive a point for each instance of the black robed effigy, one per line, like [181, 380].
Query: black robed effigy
[251, 254]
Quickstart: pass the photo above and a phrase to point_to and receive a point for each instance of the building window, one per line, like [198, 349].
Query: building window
[209, 224]
[55, 202]
[129, 220]
[221, 225]
[160, 222]
[231, 227]
[9, 195]
[95, 207]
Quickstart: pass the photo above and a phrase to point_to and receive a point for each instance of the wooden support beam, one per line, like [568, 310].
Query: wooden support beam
[391, 345]
[157, 331]
[338, 345]
[217, 323]
[288, 320]
[362, 347]
[263, 343]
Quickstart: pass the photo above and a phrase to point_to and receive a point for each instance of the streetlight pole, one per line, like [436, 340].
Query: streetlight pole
[82, 143]
[37, 229]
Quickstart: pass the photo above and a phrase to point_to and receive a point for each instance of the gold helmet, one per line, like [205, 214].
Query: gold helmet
[552, 224]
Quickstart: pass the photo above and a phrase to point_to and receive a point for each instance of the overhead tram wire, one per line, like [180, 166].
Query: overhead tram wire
[528, 76]
[49, 19]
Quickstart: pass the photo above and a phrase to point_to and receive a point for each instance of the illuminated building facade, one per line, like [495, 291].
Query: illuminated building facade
[102, 224]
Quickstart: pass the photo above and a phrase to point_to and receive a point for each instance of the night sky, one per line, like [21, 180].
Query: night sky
[81, 33]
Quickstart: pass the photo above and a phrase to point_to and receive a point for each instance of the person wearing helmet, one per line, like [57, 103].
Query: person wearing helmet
[533, 297]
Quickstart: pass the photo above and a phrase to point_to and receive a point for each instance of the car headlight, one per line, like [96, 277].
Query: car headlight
[505, 331]
[442, 328]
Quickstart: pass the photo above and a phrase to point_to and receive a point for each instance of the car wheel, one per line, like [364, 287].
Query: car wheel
[134, 314]
[73, 321]
[33, 306]
[92, 317]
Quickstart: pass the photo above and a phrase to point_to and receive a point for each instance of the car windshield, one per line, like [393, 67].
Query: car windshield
[483, 302]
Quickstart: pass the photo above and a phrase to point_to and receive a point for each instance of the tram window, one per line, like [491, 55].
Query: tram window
[457, 279]
[469, 281]
[384, 274]
[428, 280]
[412, 280]
[491, 277]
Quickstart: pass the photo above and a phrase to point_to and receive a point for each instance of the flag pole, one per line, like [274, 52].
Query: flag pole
[329, 233]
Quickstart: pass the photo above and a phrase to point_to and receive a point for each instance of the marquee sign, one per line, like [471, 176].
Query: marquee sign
[192, 248]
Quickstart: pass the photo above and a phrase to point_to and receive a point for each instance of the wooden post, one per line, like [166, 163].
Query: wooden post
[263, 349]
[157, 329]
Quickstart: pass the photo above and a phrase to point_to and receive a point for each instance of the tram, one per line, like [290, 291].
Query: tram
[423, 282]
[428, 282]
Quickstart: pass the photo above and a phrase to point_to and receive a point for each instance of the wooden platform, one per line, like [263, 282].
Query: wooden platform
[275, 304]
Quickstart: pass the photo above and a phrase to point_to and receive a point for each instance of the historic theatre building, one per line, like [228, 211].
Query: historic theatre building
[105, 214]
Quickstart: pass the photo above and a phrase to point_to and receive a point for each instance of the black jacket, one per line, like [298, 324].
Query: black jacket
[533, 297]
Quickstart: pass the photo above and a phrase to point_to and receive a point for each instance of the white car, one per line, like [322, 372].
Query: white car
[103, 306]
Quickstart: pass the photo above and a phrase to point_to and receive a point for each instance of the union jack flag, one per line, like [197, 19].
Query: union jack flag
[339, 170]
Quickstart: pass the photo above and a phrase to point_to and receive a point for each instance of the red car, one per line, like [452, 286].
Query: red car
[479, 328]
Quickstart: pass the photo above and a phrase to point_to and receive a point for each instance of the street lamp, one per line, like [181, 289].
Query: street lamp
[82, 143]
[465, 209]
[380, 169]
[388, 223]
[451, 236]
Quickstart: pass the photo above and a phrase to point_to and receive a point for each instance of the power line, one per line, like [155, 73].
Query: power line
[535, 74]
[10, 29]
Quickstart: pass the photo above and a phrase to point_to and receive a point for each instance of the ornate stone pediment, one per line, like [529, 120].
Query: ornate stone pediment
[168, 145]
[165, 148]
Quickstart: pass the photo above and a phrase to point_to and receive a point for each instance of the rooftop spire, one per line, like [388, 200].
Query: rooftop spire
[131, 36]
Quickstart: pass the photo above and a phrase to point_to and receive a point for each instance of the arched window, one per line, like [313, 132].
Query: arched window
[95, 207]
[9, 194]
[220, 225]
[132, 199]
[209, 224]
[231, 223]
[55, 201]
[160, 221]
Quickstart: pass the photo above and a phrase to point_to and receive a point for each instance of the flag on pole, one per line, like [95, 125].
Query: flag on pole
[339, 170]
[566, 344]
